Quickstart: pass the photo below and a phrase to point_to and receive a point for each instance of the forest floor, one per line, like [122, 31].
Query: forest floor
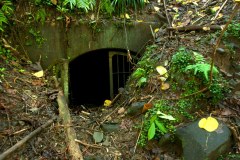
[27, 102]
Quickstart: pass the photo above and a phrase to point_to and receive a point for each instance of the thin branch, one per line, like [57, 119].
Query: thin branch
[219, 10]
[88, 145]
[220, 37]
[25, 139]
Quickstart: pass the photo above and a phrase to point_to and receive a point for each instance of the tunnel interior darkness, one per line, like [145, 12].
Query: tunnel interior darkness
[96, 76]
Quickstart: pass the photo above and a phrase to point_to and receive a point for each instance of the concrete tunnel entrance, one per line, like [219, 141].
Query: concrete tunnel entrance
[96, 76]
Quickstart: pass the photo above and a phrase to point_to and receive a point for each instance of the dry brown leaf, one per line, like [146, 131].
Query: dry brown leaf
[146, 107]
[121, 110]
[226, 112]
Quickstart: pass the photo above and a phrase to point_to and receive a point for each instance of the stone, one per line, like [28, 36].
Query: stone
[110, 127]
[135, 108]
[199, 144]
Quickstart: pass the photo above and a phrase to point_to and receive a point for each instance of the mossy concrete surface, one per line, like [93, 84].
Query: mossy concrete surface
[80, 37]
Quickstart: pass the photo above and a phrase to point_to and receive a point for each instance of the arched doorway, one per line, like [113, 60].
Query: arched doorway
[97, 75]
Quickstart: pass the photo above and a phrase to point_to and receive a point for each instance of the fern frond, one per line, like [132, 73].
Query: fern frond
[3, 19]
[72, 3]
[203, 68]
[198, 57]
[7, 7]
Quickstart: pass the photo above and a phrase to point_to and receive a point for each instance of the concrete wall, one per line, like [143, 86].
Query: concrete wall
[80, 38]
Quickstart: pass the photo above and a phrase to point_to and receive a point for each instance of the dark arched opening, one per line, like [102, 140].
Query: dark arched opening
[96, 76]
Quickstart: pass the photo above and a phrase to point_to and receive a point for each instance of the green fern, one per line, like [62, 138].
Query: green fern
[86, 5]
[5, 11]
[3, 19]
[202, 68]
[41, 15]
[7, 7]
[198, 58]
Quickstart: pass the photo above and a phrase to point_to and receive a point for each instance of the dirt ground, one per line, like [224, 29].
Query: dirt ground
[27, 102]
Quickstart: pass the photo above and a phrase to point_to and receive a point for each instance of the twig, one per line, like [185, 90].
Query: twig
[220, 37]
[169, 23]
[205, 3]
[219, 10]
[25, 139]
[135, 147]
[8, 46]
[111, 113]
[152, 33]
[115, 99]
[88, 145]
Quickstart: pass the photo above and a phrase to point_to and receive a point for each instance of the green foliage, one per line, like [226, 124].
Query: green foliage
[155, 124]
[41, 15]
[3, 20]
[5, 12]
[144, 67]
[86, 5]
[139, 72]
[202, 68]
[142, 81]
[194, 72]
[233, 30]
[38, 38]
[106, 6]
[6, 53]
[180, 60]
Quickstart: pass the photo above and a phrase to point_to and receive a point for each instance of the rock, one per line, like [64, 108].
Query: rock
[135, 108]
[221, 50]
[110, 127]
[237, 75]
[198, 144]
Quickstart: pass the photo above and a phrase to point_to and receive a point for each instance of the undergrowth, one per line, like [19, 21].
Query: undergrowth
[188, 74]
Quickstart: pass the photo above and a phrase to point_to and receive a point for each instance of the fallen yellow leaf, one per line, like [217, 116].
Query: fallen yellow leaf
[156, 30]
[165, 86]
[161, 70]
[107, 103]
[210, 124]
[139, 21]
[38, 74]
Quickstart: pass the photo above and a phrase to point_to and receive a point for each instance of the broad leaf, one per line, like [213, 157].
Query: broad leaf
[165, 116]
[141, 81]
[151, 131]
[138, 73]
[153, 118]
[161, 127]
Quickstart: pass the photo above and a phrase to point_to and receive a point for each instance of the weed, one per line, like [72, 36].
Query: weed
[38, 38]
[233, 30]
[6, 11]
[7, 54]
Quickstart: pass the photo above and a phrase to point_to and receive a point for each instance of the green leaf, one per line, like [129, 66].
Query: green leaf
[151, 131]
[165, 116]
[98, 136]
[153, 118]
[139, 73]
[160, 126]
[202, 68]
[141, 81]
